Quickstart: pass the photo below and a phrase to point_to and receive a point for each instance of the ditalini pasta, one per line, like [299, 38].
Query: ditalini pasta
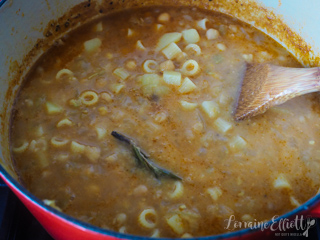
[147, 218]
[167, 79]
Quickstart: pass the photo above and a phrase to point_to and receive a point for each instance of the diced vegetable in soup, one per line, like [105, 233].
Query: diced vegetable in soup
[127, 124]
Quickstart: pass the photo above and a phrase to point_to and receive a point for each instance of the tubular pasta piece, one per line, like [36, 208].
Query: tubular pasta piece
[77, 147]
[172, 77]
[121, 73]
[150, 66]
[64, 122]
[117, 87]
[21, 148]
[202, 24]
[194, 48]
[168, 38]
[38, 145]
[93, 153]
[178, 190]
[237, 142]
[187, 86]
[212, 34]
[181, 57]
[167, 66]
[106, 96]
[58, 142]
[188, 106]
[171, 51]
[89, 98]
[144, 215]
[63, 72]
[222, 125]
[190, 68]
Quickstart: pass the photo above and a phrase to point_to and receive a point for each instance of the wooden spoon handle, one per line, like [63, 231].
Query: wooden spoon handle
[286, 83]
[266, 85]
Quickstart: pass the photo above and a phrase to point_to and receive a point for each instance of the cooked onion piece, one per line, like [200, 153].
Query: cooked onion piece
[281, 182]
[140, 46]
[214, 193]
[92, 45]
[176, 224]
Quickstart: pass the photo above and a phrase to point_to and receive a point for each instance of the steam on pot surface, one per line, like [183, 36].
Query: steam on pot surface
[127, 123]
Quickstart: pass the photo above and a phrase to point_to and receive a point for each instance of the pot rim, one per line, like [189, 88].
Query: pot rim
[312, 202]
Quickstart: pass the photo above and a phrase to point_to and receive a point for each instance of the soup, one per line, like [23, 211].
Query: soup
[127, 123]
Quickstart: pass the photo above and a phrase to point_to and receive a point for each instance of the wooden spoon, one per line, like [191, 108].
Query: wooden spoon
[266, 85]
